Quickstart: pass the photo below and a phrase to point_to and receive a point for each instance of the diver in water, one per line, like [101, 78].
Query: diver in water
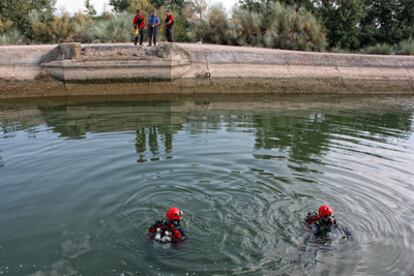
[323, 224]
[169, 229]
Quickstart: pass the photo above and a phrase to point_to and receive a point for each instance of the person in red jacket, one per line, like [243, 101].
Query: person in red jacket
[169, 229]
[139, 26]
[169, 23]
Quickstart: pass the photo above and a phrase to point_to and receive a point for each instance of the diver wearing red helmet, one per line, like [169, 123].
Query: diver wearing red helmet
[323, 223]
[169, 229]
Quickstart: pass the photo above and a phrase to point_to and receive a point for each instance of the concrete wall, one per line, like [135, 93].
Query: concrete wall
[302, 71]
[119, 69]
[22, 62]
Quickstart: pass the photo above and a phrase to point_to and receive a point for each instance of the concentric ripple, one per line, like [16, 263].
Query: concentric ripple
[81, 182]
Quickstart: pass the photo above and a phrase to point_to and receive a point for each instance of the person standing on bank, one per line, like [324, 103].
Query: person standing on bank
[154, 22]
[169, 23]
[139, 25]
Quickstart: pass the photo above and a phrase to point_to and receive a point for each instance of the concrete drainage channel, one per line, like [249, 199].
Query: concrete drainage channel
[121, 69]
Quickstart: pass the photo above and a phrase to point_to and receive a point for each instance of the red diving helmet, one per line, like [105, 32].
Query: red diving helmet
[174, 213]
[325, 211]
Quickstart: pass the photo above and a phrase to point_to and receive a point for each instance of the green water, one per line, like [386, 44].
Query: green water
[82, 179]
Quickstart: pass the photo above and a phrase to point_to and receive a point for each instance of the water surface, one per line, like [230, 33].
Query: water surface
[82, 179]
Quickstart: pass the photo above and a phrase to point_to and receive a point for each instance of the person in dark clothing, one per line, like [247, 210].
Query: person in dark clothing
[169, 229]
[323, 224]
[139, 25]
[169, 23]
[153, 23]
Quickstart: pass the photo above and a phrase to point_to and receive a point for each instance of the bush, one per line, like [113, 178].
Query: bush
[5, 25]
[181, 30]
[85, 28]
[11, 37]
[379, 49]
[39, 30]
[61, 28]
[57, 29]
[117, 29]
[216, 28]
[246, 28]
[278, 26]
[405, 47]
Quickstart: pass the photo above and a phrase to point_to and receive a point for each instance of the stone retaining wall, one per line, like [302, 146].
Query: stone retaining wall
[120, 69]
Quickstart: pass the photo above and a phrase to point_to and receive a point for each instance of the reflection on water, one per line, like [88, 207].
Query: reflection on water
[154, 136]
[81, 180]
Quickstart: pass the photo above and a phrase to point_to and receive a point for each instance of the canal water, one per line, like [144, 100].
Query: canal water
[81, 180]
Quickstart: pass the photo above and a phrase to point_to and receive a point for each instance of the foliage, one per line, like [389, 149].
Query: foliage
[181, 32]
[256, 5]
[143, 5]
[246, 28]
[117, 29]
[177, 5]
[216, 28]
[133, 5]
[84, 28]
[12, 36]
[278, 26]
[39, 30]
[379, 49]
[341, 19]
[405, 47]
[387, 21]
[90, 10]
[119, 5]
[371, 26]
[5, 25]
[18, 11]
[354, 24]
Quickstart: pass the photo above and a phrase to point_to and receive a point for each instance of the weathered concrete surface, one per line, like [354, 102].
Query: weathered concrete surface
[120, 69]
[118, 62]
[22, 62]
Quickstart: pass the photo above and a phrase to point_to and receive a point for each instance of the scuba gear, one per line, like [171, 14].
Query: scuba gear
[326, 224]
[169, 229]
[311, 219]
[163, 236]
[323, 224]
[166, 231]
[327, 220]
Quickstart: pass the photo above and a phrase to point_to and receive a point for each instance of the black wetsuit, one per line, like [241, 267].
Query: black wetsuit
[325, 228]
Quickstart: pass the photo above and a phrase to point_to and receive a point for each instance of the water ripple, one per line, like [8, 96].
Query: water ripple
[83, 182]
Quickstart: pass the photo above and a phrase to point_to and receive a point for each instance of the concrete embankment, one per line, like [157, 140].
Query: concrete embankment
[121, 69]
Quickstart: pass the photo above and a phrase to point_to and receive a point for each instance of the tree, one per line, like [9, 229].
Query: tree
[251, 5]
[157, 3]
[276, 25]
[387, 21]
[18, 11]
[200, 8]
[255, 5]
[342, 20]
[307, 4]
[90, 10]
[119, 5]
[216, 27]
[176, 5]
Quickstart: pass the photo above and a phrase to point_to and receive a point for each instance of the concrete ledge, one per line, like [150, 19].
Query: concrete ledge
[23, 55]
[121, 69]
